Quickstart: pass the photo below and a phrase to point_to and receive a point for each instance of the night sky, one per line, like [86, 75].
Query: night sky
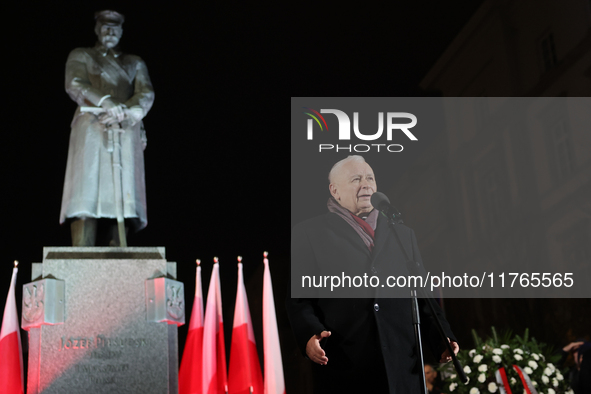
[218, 154]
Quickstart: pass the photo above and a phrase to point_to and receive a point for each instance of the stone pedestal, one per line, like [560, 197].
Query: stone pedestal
[103, 320]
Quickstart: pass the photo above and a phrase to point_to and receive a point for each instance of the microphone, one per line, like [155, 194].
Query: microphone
[382, 204]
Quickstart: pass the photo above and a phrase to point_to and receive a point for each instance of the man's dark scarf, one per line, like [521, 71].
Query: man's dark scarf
[364, 228]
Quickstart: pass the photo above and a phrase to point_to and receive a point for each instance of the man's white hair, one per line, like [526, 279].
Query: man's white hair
[341, 163]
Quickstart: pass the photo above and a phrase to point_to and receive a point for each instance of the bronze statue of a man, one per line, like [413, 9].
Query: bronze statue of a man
[119, 85]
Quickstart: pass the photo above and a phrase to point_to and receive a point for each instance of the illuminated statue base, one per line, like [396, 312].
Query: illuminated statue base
[103, 320]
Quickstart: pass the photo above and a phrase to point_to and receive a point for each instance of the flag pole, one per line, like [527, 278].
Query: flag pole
[11, 353]
[240, 262]
[217, 261]
[274, 380]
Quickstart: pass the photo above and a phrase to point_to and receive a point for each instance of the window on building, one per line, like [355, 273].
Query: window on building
[548, 50]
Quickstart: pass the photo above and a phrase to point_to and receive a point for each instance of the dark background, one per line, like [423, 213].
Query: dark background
[217, 160]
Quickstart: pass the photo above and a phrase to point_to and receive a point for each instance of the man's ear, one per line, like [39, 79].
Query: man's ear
[333, 191]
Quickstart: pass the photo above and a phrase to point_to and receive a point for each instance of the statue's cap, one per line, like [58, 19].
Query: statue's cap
[109, 17]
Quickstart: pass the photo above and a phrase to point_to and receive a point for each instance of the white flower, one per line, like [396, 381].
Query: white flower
[570, 392]
[474, 390]
[481, 378]
[492, 387]
[528, 370]
[452, 386]
[478, 358]
[518, 357]
[505, 346]
[497, 351]
[547, 371]
[513, 381]
[551, 391]
[533, 364]
[472, 352]
[559, 376]
[467, 369]
[496, 359]
[452, 376]
[535, 356]
[482, 367]
[555, 382]
[545, 379]
[542, 356]
[534, 383]
[518, 351]
[551, 366]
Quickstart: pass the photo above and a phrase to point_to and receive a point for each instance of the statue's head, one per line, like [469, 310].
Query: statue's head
[109, 27]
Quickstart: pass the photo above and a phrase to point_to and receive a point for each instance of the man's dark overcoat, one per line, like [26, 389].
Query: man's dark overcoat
[365, 329]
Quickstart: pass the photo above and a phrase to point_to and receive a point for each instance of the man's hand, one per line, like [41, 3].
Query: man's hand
[446, 357]
[314, 351]
[115, 111]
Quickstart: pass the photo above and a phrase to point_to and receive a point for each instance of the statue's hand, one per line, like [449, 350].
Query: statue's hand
[106, 119]
[133, 115]
[114, 110]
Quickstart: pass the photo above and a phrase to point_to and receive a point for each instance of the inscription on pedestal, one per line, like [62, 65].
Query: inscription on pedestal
[106, 354]
[96, 374]
[75, 343]
[100, 348]
[104, 342]
[100, 341]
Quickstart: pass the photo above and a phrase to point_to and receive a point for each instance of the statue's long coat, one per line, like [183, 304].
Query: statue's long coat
[92, 73]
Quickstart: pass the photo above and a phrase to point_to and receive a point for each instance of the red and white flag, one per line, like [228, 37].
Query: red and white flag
[215, 376]
[191, 372]
[11, 354]
[245, 370]
[274, 383]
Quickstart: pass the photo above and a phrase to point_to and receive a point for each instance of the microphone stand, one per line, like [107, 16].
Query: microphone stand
[412, 266]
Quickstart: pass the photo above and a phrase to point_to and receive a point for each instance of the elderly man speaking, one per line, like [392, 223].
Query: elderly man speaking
[360, 344]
